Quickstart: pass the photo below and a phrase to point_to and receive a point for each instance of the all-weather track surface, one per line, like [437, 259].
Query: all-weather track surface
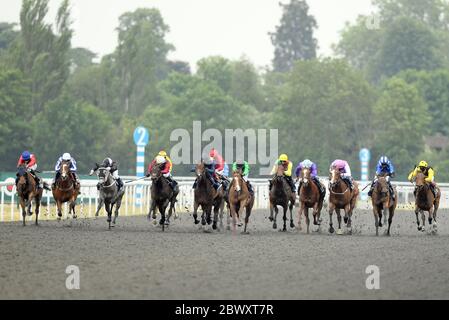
[137, 261]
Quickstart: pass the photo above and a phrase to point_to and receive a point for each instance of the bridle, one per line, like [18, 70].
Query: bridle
[333, 172]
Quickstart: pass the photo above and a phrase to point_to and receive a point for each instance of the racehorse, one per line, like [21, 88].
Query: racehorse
[162, 195]
[207, 197]
[426, 201]
[109, 195]
[281, 195]
[309, 198]
[382, 201]
[239, 198]
[28, 191]
[65, 189]
[341, 197]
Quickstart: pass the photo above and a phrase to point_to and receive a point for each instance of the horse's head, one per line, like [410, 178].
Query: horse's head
[200, 169]
[156, 172]
[65, 169]
[334, 176]
[103, 174]
[237, 177]
[420, 181]
[305, 176]
[23, 177]
[382, 186]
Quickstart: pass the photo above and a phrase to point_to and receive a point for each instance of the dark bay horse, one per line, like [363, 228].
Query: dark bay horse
[309, 198]
[239, 199]
[426, 201]
[382, 201]
[28, 191]
[162, 195]
[341, 197]
[281, 195]
[110, 195]
[65, 189]
[207, 197]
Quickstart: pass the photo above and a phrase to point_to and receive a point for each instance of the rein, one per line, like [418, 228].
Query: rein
[339, 193]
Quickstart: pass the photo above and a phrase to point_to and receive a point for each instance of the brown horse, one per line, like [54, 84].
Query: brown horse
[65, 189]
[162, 195]
[239, 199]
[207, 197]
[426, 201]
[281, 195]
[309, 198]
[28, 191]
[341, 197]
[382, 201]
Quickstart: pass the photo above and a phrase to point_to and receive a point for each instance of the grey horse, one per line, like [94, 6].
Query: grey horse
[109, 194]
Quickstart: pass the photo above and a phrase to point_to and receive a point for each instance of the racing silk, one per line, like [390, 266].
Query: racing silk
[343, 166]
[170, 164]
[313, 169]
[245, 170]
[31, 164]
[164, 170]
[72, 165]
[287, 169]
[219, 162]
[226, 170]
[429, 173]
[388, 169]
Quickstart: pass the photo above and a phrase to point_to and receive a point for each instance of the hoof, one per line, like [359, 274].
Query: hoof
[271, 219]
[196, 221]
[331, 230]
[228, 228]
[275, 226]
[292, 225]
[245, 232]
[339, 232]
[214, 226]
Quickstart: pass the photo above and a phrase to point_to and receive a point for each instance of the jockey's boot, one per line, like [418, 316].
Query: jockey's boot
[433, 189]
[270, 185]
[98, 186]
[349, 183]
[77, 180]
[53, 184]
[195, 183]
[172, 183]
[250, 188]
[371, 189]
[38, 182]
[214, 182]
[390, 188]
[291, 183]
[320, 187]
[120, 183]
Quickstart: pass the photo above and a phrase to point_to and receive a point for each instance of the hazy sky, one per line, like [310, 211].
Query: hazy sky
[200, 28]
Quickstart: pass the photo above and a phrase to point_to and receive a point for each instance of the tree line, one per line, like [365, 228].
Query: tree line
[386, 88]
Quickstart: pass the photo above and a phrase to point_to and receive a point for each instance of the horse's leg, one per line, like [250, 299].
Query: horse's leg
[331, 223]
[109, 211]
[285, 218]
[38, 204]
[376, 218]
[22, 205]
[435, 209]
[339, 231]
[216, 211]
[195, 212]
[100, 204]
[271, 212]
[59, 207]
[390, 218]
[118, 204]
[248, 213]
[423, 219]
[291, 205]
[276, 210]
[417, 217]
[380, 212]
[300, 213]
[72, 207]
[307, 219]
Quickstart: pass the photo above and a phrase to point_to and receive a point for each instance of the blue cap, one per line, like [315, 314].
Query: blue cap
[26, 155]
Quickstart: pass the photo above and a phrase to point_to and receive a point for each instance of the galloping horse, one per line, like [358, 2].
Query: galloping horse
[309, 198]
[109, 195]
[28, 191]
[281, 195]
[161, 196]
[207, 197]
[341, 197]
[239, 199]
[426, 201]
[381, 200]
[65, 189]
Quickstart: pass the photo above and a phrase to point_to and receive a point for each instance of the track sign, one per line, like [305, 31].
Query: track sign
[365, 155]
[141, 136]
[10, 189]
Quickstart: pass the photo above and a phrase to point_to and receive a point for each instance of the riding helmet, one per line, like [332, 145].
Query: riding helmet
[26, 155]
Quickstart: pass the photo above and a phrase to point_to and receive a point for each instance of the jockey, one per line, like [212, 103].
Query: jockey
[210, 173]
[29, 160]
[66, 157]
[307, 164]
[219, 162]
[244, 166]
[384, 167]
[345, 170]
[108, 163]
[428, 172]
[163, 160]
[288, 166]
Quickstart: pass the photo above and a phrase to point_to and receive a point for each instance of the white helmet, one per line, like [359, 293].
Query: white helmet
[160, 160]
[307, 164]
[66, 157]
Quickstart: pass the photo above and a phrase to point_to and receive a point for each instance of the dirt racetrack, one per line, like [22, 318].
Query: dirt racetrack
[138, 261]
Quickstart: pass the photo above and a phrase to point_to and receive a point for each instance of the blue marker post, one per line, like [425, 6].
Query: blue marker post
[141, 139]
[365, 157]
